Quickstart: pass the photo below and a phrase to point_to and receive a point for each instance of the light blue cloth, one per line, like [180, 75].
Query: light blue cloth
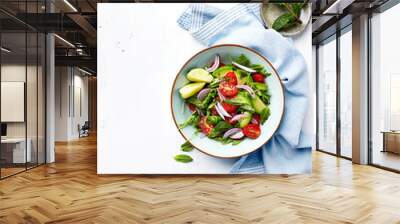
[289, 150]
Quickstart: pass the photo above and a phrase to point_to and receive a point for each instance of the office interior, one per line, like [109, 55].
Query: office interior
[48, 80]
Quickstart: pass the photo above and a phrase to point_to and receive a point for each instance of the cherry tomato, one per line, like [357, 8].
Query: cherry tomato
[192, 107]
[229, 107]
[228, 89]
[231, 78]
[257, 77]
[257, 118]
[252, 131]
[204, 126]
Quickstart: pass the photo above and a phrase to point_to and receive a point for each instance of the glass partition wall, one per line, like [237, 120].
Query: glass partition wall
[385, 90]
[334, 94]
[326, 99]
[22, 101]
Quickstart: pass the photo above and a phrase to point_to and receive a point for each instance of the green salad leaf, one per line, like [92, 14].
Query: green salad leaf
[214, 119]
[192, 120]
[183, 158]
[264, 96]
[206, 102]
[243, 60]
[186, 147]
[260, 69]
[264, 115]
[214, 83]
[220, 128]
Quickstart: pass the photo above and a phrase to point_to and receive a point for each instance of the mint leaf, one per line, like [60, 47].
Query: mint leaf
[183, 158]
[186, 147]
[297, 8]
[284, 21]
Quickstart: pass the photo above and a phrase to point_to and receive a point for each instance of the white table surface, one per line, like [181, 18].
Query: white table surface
[140, 50]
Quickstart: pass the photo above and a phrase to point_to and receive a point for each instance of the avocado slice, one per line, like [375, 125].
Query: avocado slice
[258, 104]
[245, 120]
[191, 89]
[199, 75]
[220, 72]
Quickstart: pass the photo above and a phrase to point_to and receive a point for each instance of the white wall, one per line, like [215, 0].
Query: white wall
[71, 102]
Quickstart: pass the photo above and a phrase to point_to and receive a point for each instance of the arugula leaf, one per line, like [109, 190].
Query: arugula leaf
[183, 158]
[220, 128]
[284, 21]
[260, 69]
[193, 100]
[259, 86]
[214, 119]
[192, 120]
[264, 115]
[186, 147]
[207, 100]
[214, 83]
[243, 60]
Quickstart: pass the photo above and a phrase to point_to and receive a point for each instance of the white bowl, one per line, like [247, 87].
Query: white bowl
[214, 148]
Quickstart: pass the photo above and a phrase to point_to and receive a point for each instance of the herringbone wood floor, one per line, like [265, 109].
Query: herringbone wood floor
[69, 191]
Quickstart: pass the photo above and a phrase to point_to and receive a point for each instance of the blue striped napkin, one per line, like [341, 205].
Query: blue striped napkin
[289, 150]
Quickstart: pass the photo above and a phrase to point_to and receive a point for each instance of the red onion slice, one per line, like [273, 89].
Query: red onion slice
[238, 117]
[238, 135]
[219, 112]
[215, 64]
[223, 111]
[254, 121]
[220, 95]
[199, 112]
[231, 131]
[244, 67]
[203, 93]
[248, 89]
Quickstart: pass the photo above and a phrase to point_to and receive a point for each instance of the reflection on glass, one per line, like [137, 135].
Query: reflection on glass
[31, 101]
[385, 86]
[41, 98]
[13, 86]
[346, 94]
[327, 97]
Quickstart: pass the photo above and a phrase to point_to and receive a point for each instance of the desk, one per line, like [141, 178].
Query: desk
[15, 148]
[391, 141]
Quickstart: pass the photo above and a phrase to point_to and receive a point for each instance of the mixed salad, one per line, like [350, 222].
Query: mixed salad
[229, 102]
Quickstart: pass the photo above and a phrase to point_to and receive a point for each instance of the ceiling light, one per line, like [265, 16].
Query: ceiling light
[65, 41]
[70, 5]
[337, 7]
[5, 50]
[84, 71]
